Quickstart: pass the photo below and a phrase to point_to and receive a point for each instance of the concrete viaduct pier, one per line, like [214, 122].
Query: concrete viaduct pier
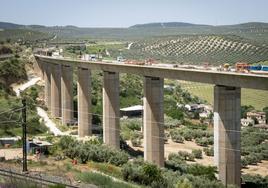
[58, 73]
[84, 102]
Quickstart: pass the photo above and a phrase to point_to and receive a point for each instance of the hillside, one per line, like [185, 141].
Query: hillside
[164, 25]
[6, 25]
[196, 49]
[256, 31]
[25, 35]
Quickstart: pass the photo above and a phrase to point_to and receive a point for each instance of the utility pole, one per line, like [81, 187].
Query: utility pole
[24, 135]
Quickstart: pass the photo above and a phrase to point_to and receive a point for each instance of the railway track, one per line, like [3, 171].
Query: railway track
[36, 178]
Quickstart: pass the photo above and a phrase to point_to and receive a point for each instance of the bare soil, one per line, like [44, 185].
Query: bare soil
[172, 147]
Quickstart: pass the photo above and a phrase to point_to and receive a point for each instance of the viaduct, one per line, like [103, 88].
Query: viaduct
[58, 77]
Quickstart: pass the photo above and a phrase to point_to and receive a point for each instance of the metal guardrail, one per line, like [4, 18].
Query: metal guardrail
[44, 180]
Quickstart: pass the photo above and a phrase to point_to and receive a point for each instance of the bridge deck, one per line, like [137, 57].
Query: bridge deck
[232, 79]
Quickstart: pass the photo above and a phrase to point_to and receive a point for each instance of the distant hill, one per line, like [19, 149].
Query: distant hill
[165, 25]
[256, 31]
[6, 25]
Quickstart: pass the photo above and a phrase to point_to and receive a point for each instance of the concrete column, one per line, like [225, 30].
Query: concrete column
[37, 68]
[67, 93]
[47, 77]
[84, 102]
[55, 90]
[227, 110]
[153, 120]
[111, 111]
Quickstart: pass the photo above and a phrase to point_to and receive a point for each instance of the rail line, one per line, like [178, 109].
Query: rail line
[37, 178]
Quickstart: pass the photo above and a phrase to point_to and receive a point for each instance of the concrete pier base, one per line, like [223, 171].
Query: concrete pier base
[67, 94]
[55, 90]
[47, 78]
[84, 102]
[227, 110]
[153, 120]
[111, 111]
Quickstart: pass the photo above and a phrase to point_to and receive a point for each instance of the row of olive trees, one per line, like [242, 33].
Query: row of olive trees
[148, 174]
[91, 151]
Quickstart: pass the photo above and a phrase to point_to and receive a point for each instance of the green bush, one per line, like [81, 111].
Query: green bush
[255, 181]
[252, 159]
[101, 180]
[244, 163]
[91, 151]
[175, 136]
[187, 134]
[209, 151]
[186, 155]
[201, 170]
[135, 138]
[143, 173]
[177, 164]
[197, 153]
[66, 142]
[184, 183]
[204, 141]
[12, 71]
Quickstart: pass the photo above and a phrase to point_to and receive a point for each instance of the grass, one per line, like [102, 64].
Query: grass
[102, 181]
[106, 168]
[16, 183]
[256, 98]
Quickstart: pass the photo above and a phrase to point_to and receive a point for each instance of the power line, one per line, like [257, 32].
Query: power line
[162, 123]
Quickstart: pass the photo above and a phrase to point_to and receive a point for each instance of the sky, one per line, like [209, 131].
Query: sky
[124, 13]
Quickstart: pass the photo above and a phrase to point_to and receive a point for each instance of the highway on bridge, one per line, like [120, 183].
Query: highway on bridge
[242, 80]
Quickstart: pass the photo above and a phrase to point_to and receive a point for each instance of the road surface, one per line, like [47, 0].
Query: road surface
[42, 113]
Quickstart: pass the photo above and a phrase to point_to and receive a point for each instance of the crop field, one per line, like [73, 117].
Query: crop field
[256, 98]
[198, 49]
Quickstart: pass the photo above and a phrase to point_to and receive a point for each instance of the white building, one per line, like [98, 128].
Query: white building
[247, 122]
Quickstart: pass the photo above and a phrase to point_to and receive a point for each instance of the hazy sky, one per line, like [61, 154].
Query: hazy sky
[123, 13]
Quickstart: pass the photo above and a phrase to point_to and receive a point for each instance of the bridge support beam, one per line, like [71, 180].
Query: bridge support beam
[84, 102]
[47, 77]
[111, 111]
[67, 93]
[55, 90]
[227, 109]
[153, 122]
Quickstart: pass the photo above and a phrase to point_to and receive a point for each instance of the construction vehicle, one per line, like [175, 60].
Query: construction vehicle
[242, 67]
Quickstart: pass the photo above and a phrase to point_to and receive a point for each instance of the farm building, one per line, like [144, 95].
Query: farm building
[260, 117]
[132, 111]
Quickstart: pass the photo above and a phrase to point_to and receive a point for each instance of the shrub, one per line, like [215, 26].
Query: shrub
[170, 122]
[184, 155]
[187, 134]
[134, 125]
[251, 159]
[201, 170]
[176, 164]
[209, 151]
[143, 173]
[101, 180]
[244, 163]
[136, 142]
[197, 153]
[204, 141]
[177, 138]
[91, 151]
[255, 181]
[135, 138]
[67, 141]
[184, 183]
